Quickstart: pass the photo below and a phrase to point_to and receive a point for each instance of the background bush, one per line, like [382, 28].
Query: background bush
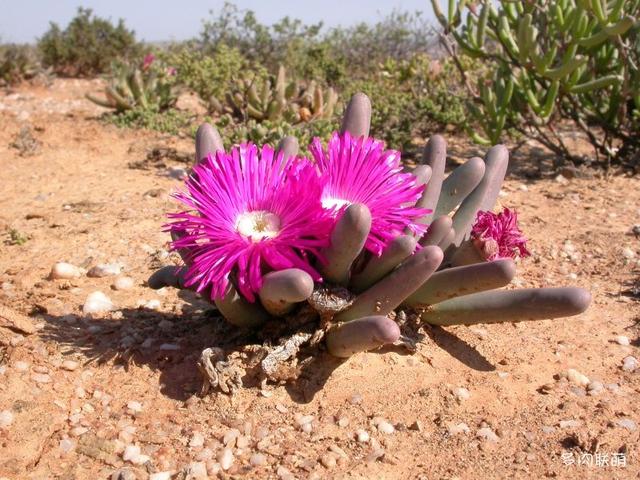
[87, 46]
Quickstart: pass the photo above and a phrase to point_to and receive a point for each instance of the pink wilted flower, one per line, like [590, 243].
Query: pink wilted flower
[360, 170]
[251, 211]
[149, 58]
[497, 235]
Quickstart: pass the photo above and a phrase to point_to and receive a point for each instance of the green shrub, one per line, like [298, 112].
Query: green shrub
[210, 74]
[554, 61]
[17, 63]
[412, 99]
[169, 121]
[87, 46]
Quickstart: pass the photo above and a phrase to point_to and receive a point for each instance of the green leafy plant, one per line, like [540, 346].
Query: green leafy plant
[150, 86]
[210, 74]
[549, 61]
[413, 98]
[17, 63]
[87, 46]
[169, 121]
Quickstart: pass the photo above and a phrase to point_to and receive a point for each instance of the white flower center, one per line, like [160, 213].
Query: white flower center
[258, 225]
[330, 203]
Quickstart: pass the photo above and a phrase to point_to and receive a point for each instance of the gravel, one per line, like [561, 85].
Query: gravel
[97, 302]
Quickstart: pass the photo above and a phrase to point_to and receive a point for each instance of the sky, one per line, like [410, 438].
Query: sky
[25, 20]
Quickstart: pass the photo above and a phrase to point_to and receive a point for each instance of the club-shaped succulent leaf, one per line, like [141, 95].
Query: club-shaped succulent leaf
[348, 338]
[282, 289]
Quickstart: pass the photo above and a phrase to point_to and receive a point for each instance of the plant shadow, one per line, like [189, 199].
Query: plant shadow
[171, 343]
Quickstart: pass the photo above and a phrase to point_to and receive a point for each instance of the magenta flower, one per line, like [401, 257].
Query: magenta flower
[149, 58]
[497, 235]
[251, 212]
[362, 171]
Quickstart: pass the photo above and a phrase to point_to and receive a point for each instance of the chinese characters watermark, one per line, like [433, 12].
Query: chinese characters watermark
[598, 459]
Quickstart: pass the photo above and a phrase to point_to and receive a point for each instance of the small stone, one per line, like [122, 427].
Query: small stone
[455, 429]
[595, 388]
[461, 394]
[64, 271]
[123, 474]
[629, 364]
[356, 399]
[328, 460]
[577, 378]
[134, 407]
[548, 429]
[133, 455]
[416, 426]
[628, 253]
[284, 474]
[569, 423]
[21, 366]
[561, 180]
[123, 283]
[97, 302]
[197, 440]
[257, 460]
[41, 378]
[487, 434]
[160, 476]
[386, 428]
[169, 347]
[628, 424]
[78, 431]
[362, 436]
[225, 457]
[304, 422]
[178, 173]
[69, 365]
[230, 437]
[165, 324]
[153, 304]
[622, 340]
[6, 419]
[104, 270]
[197, 471]
[66, 445]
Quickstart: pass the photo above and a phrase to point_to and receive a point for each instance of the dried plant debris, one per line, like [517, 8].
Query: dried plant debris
[159, 157]
[26, 144]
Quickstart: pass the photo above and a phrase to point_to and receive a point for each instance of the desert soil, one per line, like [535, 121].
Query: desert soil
[489, 401]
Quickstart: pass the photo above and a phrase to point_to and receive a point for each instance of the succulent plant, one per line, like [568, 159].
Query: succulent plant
[147, 87]
[441, 274]
[572, 58]
[274, 98]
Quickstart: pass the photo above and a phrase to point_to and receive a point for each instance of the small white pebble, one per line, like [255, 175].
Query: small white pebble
[386, 428]
[134, 407]
[104, 270]
[362, 436]
[628, 424]
[595, 388]
[153, 304]
[629, 364]
[66, 445]
[70, 365]
[97, 302]
[132, 454]
[622, 340]
[64, 271]
[569, 423]
[487, 434]
[197, 471]
[577, 378]
[284, 474]
[328, 460]
[197, 440]
[160, 476]
[455, 429]
[257, 460]
[21, 366]
[628, 253]
[123, 283]
[461, 393]
[225, 457]
[230, 437]
[41, 378]
[6, 418]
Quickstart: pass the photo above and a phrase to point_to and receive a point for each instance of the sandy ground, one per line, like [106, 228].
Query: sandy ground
[74, 394]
